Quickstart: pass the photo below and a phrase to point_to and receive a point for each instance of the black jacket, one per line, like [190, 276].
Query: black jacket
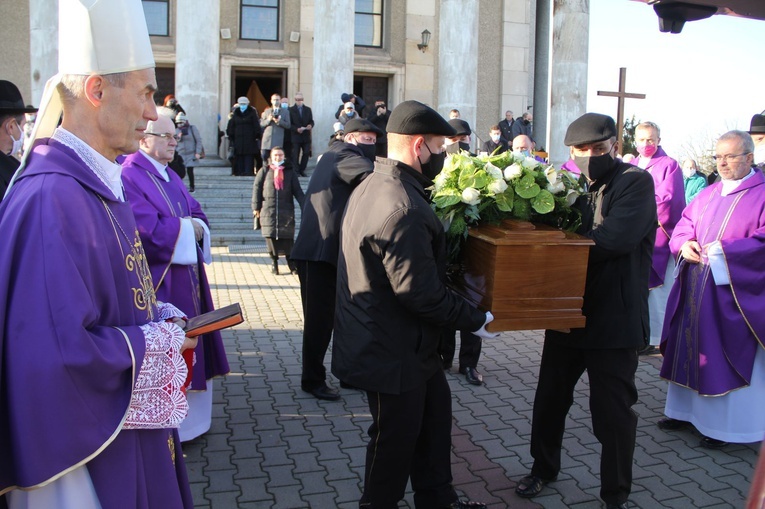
[244, 131]
[339, 170]
[489, 146]
[381, 122]
[392, 300]
[506, 128]
[619, 214]
[297, 121]
[277, 210]
[8, 166]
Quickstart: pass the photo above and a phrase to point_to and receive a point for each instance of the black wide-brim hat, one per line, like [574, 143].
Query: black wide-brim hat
[11, 101]
[757, 125]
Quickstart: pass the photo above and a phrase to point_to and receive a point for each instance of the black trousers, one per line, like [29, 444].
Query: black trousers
[302, 149]
[410, 437]
[317, 291]
[612, 393]
[470, 348]
[190, 173]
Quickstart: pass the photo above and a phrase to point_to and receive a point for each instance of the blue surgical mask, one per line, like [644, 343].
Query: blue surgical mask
[494, 138]
[285, 105]
[242, 107]
[349, 113]
[526, 153]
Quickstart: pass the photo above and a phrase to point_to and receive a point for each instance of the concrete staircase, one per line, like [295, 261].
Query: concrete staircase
[226, 200]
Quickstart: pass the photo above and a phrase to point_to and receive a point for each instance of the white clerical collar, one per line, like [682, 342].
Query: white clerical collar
[728, 186]
[108, 172]
[161, 168]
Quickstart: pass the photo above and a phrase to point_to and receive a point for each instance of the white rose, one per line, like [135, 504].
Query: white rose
[529, 162]
[497, 186]
[471, 196]
[440, 181]
[571, 197]
[492, 170]
[513, 171]
[556, 188]
[552, 175]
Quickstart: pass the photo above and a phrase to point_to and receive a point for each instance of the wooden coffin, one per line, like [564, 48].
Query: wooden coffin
[530, 276]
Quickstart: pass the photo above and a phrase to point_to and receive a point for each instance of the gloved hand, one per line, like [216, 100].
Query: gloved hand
[482, 332]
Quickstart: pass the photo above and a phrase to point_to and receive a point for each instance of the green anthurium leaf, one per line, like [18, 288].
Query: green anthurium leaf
[505, 200]
[527, 187]
[481, 179]
[544, 202]
[446, 198]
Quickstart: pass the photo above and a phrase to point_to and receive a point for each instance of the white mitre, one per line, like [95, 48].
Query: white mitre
[94, 37]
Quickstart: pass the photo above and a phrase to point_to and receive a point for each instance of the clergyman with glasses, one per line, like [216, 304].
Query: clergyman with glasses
[176, 237]
[713, 339]
[619, 215]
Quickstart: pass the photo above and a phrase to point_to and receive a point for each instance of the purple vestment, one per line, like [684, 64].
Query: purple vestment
[670, 202]
[158, 207]
[75, 290]
[711, 333]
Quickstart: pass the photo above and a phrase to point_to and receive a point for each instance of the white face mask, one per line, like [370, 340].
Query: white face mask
[17, 144]
[759, 154]
[688, 172]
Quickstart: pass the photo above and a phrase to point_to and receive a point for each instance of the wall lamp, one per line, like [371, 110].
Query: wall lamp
[425, 40]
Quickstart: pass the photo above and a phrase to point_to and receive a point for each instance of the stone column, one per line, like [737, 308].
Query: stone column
[332, 64]
[197, 43]
[457, 58]
[43, 45]
[568, 72]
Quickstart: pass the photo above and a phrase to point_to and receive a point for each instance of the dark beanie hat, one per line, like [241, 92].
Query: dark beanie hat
[757, 125]
[461, 126]
[361, 125]
[413, 117]
[345, 98]
[590, 128]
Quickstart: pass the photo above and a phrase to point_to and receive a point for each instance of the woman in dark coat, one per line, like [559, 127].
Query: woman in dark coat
[272, 194]
[244, 134]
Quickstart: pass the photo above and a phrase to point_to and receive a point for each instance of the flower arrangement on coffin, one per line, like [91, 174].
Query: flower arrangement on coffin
[491, 188]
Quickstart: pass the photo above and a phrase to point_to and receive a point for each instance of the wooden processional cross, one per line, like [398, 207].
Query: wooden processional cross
[621, 95]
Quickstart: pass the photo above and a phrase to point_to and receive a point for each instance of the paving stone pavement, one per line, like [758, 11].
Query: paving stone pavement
[273, 446]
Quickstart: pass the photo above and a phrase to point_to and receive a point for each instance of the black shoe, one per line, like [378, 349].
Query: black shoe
[669, 424]
[349, 386]
[472, 376]
[275, 268]
[466, 504]
[324, 392]
[530, 486]
[649, 350]
[191, 190]
[617, 506]
[712, 443]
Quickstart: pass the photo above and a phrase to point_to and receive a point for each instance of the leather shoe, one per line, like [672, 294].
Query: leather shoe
[623, 505]
[649, 350]
[466, 504]
[324, 392]
[530, 486]
[712, 443]
[669, 424]
[472, 376]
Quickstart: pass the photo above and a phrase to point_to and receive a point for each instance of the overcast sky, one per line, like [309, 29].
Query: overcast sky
[698, 84]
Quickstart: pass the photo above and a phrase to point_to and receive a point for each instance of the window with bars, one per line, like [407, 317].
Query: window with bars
[368, 23]
[259, 20]
[157, 14]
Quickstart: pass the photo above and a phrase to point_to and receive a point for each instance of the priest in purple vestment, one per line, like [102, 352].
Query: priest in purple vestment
[172, 226]
[713, 339]
[91, 371]
[670, 202]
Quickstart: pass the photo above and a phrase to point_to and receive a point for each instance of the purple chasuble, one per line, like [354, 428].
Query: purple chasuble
[670, 202]
[158, 207]
[77, 289]
[711, 333]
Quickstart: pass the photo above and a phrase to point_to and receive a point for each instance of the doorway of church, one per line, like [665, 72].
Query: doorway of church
[371, 89]
[258, 85]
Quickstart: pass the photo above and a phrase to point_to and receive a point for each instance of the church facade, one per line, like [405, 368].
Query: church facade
[482, 57]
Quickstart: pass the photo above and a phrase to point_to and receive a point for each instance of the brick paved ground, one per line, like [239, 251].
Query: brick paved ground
[273, 446]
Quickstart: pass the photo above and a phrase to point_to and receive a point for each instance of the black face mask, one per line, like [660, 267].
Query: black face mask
[434, 165]
[368, 151]
[595, 167]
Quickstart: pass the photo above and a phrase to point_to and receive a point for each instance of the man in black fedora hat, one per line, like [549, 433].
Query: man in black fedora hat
[12, 121]
[757, 130]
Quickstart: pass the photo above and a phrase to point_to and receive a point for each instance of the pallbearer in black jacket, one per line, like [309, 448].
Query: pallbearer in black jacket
[619, 214]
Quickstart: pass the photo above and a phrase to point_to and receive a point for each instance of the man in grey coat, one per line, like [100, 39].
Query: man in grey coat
[275, 121]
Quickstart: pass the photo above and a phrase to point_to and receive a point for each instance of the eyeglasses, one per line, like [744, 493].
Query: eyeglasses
[722, 159]
[165, 136]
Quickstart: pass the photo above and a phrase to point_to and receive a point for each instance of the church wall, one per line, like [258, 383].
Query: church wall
[490, 62]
